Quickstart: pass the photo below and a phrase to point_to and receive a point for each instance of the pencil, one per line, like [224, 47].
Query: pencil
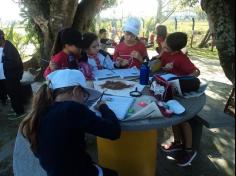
[100, 99]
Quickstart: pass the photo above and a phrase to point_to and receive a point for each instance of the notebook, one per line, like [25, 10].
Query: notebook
[150, 111]
[119, 105]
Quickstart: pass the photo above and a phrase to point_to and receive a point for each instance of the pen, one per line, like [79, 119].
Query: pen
[100, 99]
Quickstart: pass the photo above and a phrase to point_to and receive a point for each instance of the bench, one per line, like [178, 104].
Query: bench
[210, 117]
[24, 161]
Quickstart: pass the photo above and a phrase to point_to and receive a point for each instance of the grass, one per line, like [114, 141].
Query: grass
[203, 53]
[201, 28]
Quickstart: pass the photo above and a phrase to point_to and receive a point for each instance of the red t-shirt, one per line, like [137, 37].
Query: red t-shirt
[182, 64]
[159, 41]
[123, 51]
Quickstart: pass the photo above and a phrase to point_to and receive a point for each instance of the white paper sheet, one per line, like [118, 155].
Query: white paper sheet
[104, 74]
[126, 73]
[119, 105]
[168, 76]
[123, 92]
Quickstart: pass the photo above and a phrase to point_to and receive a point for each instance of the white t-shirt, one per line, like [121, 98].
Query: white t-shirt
[2, 76]
[106, 62]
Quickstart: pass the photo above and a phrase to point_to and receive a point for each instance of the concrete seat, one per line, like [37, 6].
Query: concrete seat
[210, 117]
[24, 161]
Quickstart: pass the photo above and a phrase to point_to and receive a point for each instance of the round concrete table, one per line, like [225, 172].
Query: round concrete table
[135, 153]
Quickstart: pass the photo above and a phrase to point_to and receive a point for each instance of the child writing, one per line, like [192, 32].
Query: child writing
[130, 52]
[174, 61]
[66, 53]
[96, 58]
[58, 121]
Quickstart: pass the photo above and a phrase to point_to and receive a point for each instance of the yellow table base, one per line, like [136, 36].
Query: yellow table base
[134, 154]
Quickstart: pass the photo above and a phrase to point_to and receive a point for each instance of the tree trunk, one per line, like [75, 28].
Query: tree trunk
[221, 15]
[85, 14]
[159, 11]
[205, 39]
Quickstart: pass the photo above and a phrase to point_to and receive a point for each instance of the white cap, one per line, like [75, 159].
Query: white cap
[132, 25]
[68, 78]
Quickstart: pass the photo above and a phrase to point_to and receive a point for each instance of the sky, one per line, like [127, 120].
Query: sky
[144, 8]
[9, 11]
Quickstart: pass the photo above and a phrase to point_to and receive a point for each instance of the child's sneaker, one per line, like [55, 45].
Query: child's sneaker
[172, 147]
[186, 158]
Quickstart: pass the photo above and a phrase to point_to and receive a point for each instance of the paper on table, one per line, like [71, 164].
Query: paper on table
[119, 105]
[150, 111]
[104, 74]
[126, 73]
[123, 92]
[168, 76]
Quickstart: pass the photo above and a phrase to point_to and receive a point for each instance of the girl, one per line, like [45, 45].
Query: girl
[58, 122]
[131, 52]
[96, 58]
[66, 53]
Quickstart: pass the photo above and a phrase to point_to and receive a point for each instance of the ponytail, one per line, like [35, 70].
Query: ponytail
[30, 125]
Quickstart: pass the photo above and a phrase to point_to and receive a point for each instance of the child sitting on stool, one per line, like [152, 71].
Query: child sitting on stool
[92, 54]
[58, 121]
[130, 52]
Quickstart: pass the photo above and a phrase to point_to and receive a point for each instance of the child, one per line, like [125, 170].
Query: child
[161, 37]
[58, 121]
[96, 58]
[66, 53]
[130, 52]
[174, 61]
[104, 41]
[11, 72]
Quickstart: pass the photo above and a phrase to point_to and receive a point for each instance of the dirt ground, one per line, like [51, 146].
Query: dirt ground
[217, 155]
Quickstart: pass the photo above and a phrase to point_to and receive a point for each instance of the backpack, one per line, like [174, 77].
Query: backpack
[161, 89]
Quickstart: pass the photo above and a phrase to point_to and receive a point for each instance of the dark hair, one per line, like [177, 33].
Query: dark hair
[101, 31]
[161, 31]
[176, 41]
[88, 39]
[68, 36]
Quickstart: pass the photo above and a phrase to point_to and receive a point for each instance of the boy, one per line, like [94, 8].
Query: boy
[174, 61]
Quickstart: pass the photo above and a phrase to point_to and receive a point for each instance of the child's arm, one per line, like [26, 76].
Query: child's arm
[196, 73]
[106, 126]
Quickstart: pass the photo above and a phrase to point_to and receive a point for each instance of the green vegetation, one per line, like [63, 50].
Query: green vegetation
[201, 28]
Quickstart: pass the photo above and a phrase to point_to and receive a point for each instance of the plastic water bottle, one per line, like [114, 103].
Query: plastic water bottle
[144, 74]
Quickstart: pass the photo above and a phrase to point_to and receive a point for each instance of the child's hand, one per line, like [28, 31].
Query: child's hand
[137, 55]
[53, 66]
[122, 62]
[168, 67]
[99, 104]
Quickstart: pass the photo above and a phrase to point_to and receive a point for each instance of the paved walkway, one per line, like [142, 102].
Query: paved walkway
[217, 157]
